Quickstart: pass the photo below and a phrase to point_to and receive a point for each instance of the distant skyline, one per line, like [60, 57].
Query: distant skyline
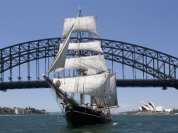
[152, 24]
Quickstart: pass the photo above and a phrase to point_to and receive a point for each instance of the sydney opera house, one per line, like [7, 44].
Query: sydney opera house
[150, 107]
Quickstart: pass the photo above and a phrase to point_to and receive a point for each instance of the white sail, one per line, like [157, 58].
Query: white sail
[90, 72]
[111, 93]
[109, 97]
[85, 63]
[60, 58]
[93, 46]
[96, 80]
[82, 24]
[91, 85]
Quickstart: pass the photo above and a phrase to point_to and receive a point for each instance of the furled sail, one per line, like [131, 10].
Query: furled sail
[82, 24]
[59, 60]
[85, 63]
[93, 46]
[91, 85]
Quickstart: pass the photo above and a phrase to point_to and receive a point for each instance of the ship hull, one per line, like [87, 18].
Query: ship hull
[78, 115]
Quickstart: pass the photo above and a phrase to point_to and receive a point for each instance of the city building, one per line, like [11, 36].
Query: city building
[21, 111]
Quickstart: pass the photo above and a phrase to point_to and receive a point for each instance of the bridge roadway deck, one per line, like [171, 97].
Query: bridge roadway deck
[120, 83]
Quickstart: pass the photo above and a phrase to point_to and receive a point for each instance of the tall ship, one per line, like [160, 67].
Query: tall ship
[85, 86]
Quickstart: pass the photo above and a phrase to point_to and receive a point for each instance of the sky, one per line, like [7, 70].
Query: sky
[148, 23]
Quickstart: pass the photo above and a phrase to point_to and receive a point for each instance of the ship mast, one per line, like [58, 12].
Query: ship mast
[79, 53]
[92, 77]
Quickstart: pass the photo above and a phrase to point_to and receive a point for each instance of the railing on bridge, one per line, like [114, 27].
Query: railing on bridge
[134, 65]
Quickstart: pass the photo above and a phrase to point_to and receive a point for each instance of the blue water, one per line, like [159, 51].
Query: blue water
[120, 124]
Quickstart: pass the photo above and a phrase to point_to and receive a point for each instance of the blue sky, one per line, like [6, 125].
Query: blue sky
[149, 23]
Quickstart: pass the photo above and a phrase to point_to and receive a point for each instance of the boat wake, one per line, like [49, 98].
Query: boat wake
[115, 123]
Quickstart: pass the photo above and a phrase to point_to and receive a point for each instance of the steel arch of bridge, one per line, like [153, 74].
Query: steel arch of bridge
[152, 62]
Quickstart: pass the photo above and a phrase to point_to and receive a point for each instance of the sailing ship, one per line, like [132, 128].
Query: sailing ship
[88, 94]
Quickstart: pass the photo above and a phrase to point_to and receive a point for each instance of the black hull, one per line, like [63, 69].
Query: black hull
[78, 115]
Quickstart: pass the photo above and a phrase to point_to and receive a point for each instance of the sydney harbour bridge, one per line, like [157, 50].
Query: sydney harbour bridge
[22, 65]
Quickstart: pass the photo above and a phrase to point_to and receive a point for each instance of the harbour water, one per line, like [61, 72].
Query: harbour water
[120, 124]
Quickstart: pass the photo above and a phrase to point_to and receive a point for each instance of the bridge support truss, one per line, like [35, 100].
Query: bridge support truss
[157, 68]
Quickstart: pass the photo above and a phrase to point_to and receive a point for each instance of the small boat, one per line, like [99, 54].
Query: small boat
[85, 86]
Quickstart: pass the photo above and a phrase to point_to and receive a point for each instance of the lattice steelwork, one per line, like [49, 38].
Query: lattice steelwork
[157, 64]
